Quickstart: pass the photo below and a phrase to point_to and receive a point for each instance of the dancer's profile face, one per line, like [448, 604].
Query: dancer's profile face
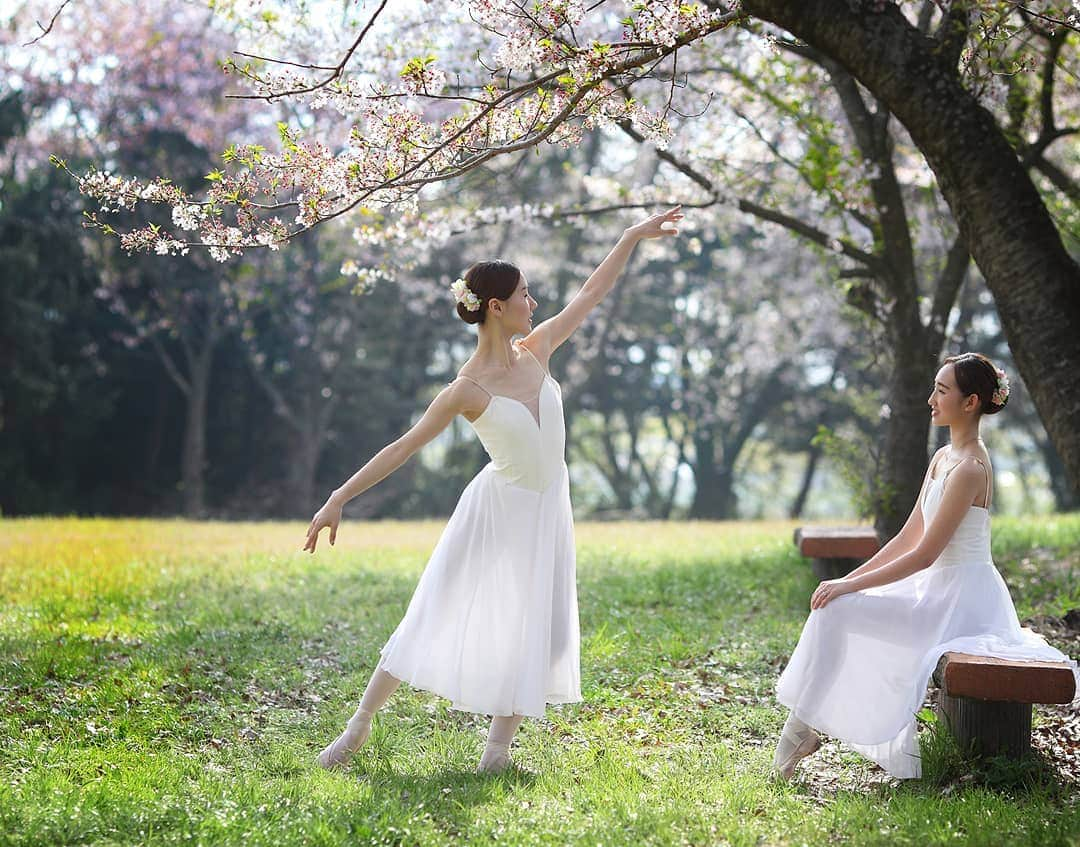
[517, 310]
[947, 403]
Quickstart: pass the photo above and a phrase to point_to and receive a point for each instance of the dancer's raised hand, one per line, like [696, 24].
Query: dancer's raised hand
[653, 227]
[328, 516]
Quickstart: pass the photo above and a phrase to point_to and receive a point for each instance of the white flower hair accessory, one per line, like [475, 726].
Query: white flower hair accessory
[1001, 395]
[460, 289]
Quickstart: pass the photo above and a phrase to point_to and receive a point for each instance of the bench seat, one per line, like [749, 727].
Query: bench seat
[836, 551]
[987, 701]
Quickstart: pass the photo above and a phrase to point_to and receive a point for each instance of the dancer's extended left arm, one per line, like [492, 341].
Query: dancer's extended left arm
[965, 484]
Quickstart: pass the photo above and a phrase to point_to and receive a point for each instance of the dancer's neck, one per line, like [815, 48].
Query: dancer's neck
[961, 437]
[494, 347]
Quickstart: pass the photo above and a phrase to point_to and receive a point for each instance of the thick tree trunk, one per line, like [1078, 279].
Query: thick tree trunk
[1006, 226]
[714, 492]
[903, 458]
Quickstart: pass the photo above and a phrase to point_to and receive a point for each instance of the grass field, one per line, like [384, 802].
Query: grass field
[164, 682]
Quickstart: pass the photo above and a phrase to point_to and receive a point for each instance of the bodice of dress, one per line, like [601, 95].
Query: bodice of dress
[526, 453]
[970, 543]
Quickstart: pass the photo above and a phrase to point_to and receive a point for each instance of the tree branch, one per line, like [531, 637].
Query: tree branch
[952, 33]
[336, 70]
[947, 287]
[45, 30]
[749, 207]
[170, 365]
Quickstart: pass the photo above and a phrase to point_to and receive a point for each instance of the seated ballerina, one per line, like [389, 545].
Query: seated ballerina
[860, 669]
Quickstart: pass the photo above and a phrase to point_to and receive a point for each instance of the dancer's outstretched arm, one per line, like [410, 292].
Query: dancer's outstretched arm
[543, 340]
[453, 400]
[907, 538]
[965, 484]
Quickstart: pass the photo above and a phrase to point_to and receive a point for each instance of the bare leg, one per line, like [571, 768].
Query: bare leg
[344, 747]
[496, 756]
[797, 741]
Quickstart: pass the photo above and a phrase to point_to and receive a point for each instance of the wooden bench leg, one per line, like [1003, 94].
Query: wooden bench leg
[989, 727]
[834, 568]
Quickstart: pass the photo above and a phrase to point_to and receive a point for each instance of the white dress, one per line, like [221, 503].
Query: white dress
[860, 669]
[493, 623]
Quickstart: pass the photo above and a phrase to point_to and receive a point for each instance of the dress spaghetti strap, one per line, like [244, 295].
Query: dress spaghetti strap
[477, 384]
[532, 356]
[986, 470]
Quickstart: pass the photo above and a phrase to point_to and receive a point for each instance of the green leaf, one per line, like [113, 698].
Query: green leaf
[926, 716]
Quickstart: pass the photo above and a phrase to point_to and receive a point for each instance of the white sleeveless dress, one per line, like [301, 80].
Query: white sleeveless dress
[493, 623]
[860, 669]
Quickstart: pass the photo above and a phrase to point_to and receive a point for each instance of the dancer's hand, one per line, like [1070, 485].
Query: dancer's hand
[829, 590]
[653, 227]
[328, 516]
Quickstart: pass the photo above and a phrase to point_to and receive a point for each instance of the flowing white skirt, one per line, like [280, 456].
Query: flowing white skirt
[493, 623]
[860, 669]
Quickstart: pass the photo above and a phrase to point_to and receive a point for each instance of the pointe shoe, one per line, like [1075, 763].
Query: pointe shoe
[496, 758]
[339, 751]
[786, 767]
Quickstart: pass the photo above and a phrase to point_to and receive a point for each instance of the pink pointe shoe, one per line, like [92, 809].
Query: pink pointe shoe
[496, 758]
[792, 750]
[339, 751]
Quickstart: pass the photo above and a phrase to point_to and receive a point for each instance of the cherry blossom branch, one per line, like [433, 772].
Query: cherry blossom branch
[1071, 21]
[45, 30]
[336, 70]
[273, 61]
[393, 151]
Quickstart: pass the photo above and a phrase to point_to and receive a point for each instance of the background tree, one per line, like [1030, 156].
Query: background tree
[775, 146]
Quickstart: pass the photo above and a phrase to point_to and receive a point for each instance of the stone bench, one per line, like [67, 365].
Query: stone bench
[986, 702]
[836, 552]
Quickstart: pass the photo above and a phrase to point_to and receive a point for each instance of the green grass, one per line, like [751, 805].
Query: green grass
[165, 682]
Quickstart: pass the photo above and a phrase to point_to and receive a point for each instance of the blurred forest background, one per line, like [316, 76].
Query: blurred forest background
[747, 369]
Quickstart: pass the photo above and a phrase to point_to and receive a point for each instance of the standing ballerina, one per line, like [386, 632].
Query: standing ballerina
[493, 623]
[873, 638]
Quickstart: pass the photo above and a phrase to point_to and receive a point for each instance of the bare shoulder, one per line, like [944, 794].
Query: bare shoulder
[980, 461]
[465, 397]
[969, 475]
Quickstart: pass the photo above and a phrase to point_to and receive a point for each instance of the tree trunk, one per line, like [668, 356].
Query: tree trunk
[1066, 498]
[618, 476]
[303, 463]
[1002, 218]
[714, 496]
[714, 492]
[193, 458]
[813, 456]
[903, 460]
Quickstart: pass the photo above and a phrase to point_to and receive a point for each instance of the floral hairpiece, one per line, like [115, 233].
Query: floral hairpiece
[1001, 395]
[460, 289]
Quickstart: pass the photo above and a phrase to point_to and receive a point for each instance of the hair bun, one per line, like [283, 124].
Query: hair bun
[976, 374]
[487, 281]
[473, 317]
